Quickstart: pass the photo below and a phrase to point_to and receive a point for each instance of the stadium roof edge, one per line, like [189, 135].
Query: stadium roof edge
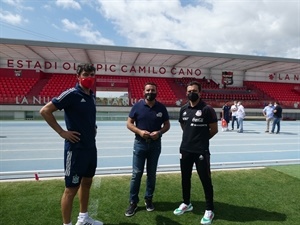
[18, 48]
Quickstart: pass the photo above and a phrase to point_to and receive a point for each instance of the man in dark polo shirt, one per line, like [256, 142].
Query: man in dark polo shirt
[80, 158]
[199, 124]
[148, 120]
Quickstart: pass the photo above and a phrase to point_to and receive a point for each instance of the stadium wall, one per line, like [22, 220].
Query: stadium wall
[27, 112]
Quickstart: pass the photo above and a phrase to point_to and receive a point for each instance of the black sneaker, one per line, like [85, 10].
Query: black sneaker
[149, 205]
[131, 209]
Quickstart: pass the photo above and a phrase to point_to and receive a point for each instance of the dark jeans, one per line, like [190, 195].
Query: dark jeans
[276, 122]
[232, 123]
[144, 152]
[203, 169]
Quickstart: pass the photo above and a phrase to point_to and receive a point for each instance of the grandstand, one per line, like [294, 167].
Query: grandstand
[170, 90]
[33, 72]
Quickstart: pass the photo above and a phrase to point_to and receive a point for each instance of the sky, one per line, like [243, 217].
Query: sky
[247, 27]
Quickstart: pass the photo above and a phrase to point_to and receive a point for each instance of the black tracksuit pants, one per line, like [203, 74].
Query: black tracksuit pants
[202, 162]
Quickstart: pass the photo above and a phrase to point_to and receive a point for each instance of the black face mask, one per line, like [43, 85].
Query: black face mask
[192, 96]
[150, 96]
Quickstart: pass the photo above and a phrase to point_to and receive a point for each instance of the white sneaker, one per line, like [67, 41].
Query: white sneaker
[183, 208]
[208, 217]
[89, 221]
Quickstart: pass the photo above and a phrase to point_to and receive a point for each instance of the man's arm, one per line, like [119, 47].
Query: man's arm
[213, 129]
[165, 127]
[182, 126]
[47, 113]
[264, 112]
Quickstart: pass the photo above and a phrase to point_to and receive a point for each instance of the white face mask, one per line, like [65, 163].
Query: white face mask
[270, 104]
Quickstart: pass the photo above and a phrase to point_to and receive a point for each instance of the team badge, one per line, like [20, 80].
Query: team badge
[198, 113]
[75, 179]
[159, 114]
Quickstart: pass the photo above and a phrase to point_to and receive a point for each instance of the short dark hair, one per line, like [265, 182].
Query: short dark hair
[194, 83]
[87, 67]
[150, 83]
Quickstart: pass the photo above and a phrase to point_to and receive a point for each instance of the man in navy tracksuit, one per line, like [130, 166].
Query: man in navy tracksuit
[80, 158]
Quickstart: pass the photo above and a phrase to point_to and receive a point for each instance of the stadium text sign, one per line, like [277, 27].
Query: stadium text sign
[38, 100]
[102, 68]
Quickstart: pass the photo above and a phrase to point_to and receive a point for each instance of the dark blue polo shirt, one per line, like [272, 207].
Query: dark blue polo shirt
[195, 120]
[278, 113]
[149, 118]
[80, 114]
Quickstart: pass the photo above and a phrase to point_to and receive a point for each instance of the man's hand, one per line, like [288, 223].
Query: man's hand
[155, 135]
[144, 134]
[71, 136]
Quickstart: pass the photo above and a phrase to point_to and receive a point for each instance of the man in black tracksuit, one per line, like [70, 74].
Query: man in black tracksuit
[199, 123]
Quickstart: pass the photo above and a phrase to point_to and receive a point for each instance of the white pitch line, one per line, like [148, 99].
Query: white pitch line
[94, 202]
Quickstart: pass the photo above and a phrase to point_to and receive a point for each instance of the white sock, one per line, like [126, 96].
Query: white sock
[82, 216]
[68, 223]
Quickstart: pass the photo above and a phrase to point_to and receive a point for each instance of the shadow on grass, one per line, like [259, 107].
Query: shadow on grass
[235, 213]
[162, 220]
[223, 211]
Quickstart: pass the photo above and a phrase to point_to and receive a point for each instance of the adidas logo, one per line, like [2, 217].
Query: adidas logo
[83, 100]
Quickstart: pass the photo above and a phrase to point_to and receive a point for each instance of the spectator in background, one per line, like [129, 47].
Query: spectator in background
[277, 117]
[233, 110]
[240, 117]
[268, 113]
[296, 104]
[148, 120]
[226, 113]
